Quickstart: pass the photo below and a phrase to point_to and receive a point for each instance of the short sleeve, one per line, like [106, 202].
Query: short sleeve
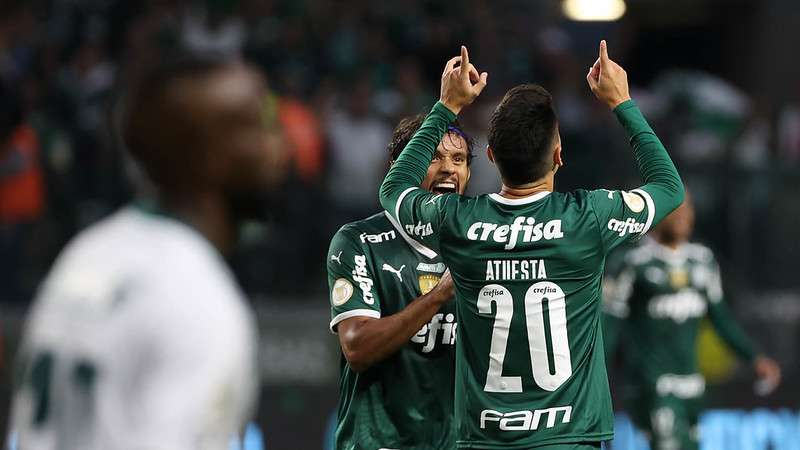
[419, 216]
[621, 215]
[350, 281]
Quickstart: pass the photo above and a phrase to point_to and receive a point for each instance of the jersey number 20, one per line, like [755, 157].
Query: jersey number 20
[546, 316]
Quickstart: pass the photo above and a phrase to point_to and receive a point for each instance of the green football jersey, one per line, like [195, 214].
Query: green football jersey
[662, 294]
[406, 400]
[530, 367]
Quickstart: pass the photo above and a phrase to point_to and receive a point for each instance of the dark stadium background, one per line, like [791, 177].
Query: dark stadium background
[719, 79]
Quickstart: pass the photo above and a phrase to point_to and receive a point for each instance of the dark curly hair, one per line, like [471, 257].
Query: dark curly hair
[409, 125]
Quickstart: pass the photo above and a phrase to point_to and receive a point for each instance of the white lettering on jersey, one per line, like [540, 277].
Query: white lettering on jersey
[515, 269]
[377, 238]
[525, 420]
[433, 268]
[523, 229]
[681, 386]
[624, 227]
[679, 306]
[397, 272]
[361, 276]
[427, 335]
[420, 229]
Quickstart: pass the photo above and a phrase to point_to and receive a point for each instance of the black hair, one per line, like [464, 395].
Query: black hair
[408, 126]
[521, 133]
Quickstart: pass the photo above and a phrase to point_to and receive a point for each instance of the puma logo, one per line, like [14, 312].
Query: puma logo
[433, 199]
[336, 257]
[397, 272]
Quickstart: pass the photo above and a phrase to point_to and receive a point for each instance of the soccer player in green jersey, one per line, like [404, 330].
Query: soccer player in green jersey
[527, 262]
[390, 304]
[666, 286]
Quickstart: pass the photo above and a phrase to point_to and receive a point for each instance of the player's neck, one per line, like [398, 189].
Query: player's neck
[207, 213]
[526, 190]
[672, 244]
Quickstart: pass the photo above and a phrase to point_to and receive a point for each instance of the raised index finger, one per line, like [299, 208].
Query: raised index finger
[603, 52]
[464, 61]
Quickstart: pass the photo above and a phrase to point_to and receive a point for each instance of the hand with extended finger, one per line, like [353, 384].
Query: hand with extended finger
[461, 82]
[608, 81]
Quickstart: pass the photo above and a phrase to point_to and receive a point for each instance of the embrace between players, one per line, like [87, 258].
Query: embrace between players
[525, 264]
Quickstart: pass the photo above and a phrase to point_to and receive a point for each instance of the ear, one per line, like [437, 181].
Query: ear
[489, 154]
[557, 160]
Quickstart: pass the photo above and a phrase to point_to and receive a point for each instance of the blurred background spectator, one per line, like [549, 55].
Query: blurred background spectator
[716, 78]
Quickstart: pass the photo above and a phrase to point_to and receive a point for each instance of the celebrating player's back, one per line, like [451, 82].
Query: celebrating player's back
[139, 337]
[527, 262]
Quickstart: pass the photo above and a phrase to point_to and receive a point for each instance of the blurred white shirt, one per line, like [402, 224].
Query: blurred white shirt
[138, 339]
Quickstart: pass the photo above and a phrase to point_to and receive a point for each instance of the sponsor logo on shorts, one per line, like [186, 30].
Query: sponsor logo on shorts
[525, 420]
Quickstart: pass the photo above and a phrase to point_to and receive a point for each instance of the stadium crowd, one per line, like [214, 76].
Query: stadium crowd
[340, 77]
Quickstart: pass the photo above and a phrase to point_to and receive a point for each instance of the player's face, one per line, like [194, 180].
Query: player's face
[449, 171]
[248, 150]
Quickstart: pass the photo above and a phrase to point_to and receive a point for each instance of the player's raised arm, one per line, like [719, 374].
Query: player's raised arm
[663, 190]
[461, 84]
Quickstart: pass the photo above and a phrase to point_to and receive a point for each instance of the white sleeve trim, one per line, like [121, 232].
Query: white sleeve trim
[651, 209]
[416, 245]
[400, 200]
[353, 313]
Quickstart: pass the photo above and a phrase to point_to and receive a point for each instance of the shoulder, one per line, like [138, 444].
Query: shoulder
[639, 255]
[700, 253]
[579, 199]
[354, 231]
[164, 265]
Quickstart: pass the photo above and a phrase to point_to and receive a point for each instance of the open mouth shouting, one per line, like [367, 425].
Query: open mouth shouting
[444, 187]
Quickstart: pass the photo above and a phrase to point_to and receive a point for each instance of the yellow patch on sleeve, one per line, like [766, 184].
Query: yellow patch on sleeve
[342, 291]
[634, 202]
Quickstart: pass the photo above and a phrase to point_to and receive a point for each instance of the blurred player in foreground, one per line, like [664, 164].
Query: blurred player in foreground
[139, 337]
[390, 303]
[667, 285]
[527, 262]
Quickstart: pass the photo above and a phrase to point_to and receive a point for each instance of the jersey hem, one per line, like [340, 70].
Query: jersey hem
[573, 439]
[352, 313]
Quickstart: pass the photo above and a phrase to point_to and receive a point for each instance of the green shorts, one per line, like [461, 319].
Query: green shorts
[668, 422]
